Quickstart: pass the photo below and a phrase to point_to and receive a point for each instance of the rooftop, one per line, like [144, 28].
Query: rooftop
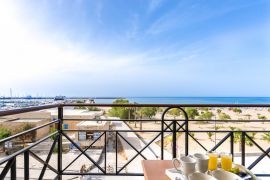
[75, 112]
[91, 123]
[34, 120]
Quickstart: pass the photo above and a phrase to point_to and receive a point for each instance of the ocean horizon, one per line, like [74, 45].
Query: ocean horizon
[155, 100]
[191, 100]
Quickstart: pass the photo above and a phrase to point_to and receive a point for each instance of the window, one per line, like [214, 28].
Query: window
[66, 126]
[82, 135]
[96, 135]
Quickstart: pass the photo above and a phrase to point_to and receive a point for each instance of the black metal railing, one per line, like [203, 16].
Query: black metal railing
[171, 126]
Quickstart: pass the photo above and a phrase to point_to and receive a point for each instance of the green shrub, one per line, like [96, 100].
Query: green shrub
[93, 108]
[204, 109]
[237, 110]
[210, 134]
[206, 115]
[4, 132]
[52, 130]
[174, 112]
[147, 112]
[191, 112]
[266, 137]
[219, 111]
[261, 117]
[224, 116]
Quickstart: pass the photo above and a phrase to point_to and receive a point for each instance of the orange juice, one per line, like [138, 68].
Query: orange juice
[213, 161]
[226, 162]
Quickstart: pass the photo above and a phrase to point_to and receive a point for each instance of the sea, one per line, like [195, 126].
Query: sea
[6, 104]
[192, 100]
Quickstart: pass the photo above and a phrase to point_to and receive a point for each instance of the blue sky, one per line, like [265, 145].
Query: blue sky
[135, 47]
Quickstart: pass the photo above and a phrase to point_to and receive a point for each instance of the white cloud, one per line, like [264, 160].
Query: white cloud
[29, 54]
[132, 32]
[30, 57]
[154, 4]
[187, 13]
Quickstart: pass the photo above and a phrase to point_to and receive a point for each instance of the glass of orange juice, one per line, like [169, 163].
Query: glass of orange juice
[213, 161]
[226, 161]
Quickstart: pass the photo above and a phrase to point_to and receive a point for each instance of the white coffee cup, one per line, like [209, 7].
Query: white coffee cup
[202, 162]
[187, 164]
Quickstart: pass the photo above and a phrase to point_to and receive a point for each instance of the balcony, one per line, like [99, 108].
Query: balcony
[109, 147]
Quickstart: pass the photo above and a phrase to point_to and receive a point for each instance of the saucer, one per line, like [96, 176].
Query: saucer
[225, 175]
[200, 176]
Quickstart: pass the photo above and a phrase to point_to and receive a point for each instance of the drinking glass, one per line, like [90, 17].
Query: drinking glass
[226, 161]
[213, 161]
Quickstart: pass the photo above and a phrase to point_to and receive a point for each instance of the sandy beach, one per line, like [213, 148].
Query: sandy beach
[234, 123]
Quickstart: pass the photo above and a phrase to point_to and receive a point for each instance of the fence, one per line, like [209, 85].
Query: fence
[171, 126]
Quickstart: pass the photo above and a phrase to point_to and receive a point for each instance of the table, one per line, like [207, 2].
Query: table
[155, 169]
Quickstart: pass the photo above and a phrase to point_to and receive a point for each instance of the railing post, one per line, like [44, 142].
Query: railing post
[105, 150]
[174, 140]
[116, 151]
[232, 145]
[174, 131]
[13, 170]
[186, 133]
[162, 134]
[59, 144]
[26, 165]
[243, 141]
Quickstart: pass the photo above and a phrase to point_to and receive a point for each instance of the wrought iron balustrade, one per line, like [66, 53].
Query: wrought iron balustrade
[172, 126]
